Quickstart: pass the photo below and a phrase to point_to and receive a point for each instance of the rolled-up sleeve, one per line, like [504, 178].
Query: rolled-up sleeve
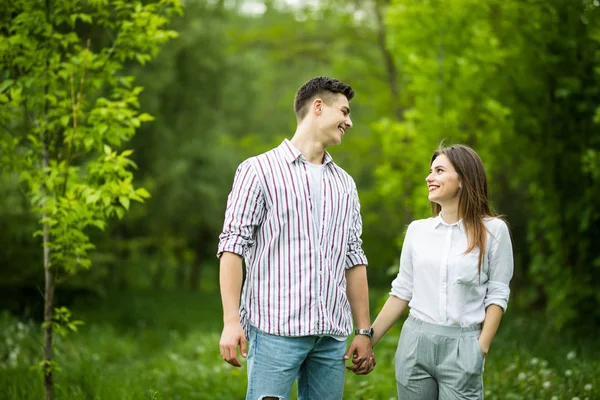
[245, 211]
[402, 286]
[501, 267]
[354, 253]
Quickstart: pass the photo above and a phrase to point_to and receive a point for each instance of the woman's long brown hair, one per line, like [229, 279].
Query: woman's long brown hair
[473, 202]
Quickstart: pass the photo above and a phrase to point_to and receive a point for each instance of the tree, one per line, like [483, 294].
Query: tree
[514, 79]
[65, 106]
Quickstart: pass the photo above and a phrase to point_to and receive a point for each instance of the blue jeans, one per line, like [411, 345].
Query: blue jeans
[274, 362]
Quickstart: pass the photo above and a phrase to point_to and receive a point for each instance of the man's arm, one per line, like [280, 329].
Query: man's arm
[230, 280]
[245, 211]
[357, 290]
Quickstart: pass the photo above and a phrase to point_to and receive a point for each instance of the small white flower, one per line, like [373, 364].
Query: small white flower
[522, 376]
[546, 384]
[568, 372]
[571, 355]
[535, 361]
[588, 387]
[544, 363]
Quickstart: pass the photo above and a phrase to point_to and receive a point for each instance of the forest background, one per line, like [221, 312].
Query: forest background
[518, 80]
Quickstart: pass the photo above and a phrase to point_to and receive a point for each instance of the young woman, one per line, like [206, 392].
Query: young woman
[455, 270]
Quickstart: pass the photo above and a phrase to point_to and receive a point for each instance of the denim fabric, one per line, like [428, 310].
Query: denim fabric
[274, 362]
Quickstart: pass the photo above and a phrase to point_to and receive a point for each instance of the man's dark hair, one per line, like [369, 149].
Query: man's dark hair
[319, 86]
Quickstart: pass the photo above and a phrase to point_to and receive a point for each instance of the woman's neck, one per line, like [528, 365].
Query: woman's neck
[449, 214]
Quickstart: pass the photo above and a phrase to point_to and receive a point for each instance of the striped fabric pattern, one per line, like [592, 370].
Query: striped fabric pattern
[295, 273]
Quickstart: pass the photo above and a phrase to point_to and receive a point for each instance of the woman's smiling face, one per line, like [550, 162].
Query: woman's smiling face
[443, 181]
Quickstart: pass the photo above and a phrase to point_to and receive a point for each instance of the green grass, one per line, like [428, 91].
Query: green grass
[165, 347]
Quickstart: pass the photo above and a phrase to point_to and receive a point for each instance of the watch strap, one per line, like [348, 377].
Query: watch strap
[366, 332]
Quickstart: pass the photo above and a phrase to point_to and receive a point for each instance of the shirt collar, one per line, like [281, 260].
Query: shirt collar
[438, 220]
[291, 153]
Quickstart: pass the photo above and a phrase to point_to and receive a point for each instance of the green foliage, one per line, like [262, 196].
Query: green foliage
[510, 79]
[62, 323]
[165, 344]
[517, 80]
[66, 104]
[181, 162]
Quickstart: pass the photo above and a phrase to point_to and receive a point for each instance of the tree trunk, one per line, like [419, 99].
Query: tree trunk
[48, 307]
[48, 299]
[201, 253]
[48, 272]
[195, 275]
[181, 272]
[388, 59]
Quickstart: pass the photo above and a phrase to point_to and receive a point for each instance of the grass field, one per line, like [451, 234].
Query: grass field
[165, 347]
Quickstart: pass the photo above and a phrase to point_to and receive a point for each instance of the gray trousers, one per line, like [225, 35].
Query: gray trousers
[438, 362]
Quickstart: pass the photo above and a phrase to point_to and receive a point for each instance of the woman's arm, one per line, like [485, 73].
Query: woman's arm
[402, 290]
[389, 314]
[493, 315]
[498, 290]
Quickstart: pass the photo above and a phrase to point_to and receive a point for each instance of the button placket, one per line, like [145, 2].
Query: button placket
[443, 305]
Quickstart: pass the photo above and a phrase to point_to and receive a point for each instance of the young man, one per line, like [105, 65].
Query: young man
[294, 216]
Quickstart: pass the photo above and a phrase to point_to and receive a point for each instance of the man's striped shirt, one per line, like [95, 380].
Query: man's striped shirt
[295, 272]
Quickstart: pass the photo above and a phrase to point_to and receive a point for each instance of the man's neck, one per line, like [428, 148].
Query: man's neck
[313, 151]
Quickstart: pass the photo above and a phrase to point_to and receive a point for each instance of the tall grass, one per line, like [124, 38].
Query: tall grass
[164, 346]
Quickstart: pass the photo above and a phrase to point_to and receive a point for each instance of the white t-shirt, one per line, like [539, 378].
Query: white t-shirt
[315, 177]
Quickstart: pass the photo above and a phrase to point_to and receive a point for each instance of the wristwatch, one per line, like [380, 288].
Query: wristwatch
[366, 332]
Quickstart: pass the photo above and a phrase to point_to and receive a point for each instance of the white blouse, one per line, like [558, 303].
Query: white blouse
[441, 283]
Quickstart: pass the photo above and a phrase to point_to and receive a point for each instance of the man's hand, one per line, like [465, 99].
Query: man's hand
[232, 337]
[363, 359]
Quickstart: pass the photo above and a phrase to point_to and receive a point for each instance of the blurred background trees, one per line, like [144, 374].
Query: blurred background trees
[516, 79]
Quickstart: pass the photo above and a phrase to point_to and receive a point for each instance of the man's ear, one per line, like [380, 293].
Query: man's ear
[317, 106]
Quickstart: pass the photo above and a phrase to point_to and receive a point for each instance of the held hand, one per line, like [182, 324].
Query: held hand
[232, 337]
[363, 359]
